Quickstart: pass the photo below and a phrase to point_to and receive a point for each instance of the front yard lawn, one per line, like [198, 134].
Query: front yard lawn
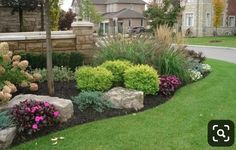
[180, 123]
[224, 41]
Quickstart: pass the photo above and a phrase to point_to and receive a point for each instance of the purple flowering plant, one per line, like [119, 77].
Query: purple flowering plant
[169, 84]
[32, 116]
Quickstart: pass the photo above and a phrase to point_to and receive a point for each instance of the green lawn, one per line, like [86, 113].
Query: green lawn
[180, 124]
[226, 41]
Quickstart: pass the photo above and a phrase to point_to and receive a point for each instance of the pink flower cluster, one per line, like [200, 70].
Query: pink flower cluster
[32, 116]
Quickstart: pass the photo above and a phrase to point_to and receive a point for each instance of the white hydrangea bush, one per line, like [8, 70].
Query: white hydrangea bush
[195, 75]
[206, 68]
[12, 71]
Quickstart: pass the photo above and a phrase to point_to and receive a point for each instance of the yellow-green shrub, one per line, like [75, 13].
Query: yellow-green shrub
[143, 78]
[93, 79]
[117, 68]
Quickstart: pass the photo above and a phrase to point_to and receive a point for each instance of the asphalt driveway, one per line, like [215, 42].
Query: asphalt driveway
[221, 53]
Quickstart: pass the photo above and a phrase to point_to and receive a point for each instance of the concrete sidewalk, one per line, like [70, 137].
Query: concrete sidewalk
[222, 53]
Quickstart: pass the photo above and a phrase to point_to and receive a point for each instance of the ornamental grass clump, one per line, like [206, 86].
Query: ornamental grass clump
[13, 73]
[117, 68]
[169, 84]
[142, 78]
[93, 79]
[136, 49]
[173, 62]
[32, 116]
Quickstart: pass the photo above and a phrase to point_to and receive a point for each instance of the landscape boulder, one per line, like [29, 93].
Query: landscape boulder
[64, 106]
[6, 137]
[125, 98]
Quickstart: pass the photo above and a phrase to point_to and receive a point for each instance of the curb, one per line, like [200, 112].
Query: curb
[217, 47]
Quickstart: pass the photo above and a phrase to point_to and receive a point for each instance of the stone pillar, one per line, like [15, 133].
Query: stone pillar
[85, 40]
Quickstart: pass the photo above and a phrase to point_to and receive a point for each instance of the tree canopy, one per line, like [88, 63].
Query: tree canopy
[218, 7]
[165, 13]
[87, 11]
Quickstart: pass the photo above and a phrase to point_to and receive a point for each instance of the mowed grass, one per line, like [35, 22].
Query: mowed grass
[179, 124]
[226, 41]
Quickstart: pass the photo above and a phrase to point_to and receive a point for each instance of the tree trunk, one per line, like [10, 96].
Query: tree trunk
[49, 48]
[42, 15]
[21, 20]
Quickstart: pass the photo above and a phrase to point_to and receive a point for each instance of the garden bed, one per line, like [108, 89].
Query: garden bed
[68, 89]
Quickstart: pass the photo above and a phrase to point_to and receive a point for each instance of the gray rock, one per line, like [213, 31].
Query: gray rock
[125, 98]
[6, 137]
[64, 106]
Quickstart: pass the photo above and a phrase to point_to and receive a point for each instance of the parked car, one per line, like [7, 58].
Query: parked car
[136, 30]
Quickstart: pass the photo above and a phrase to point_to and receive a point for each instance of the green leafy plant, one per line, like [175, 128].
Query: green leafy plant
[173, 62]
[95, 100]
[93, 79]
[5, 120]
[117, 68]
[60, 74]
[143, 78]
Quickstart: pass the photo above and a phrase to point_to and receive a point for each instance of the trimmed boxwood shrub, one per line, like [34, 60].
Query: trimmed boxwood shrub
[38, 60]
[117, 68]
[143, 78]
[93, 79]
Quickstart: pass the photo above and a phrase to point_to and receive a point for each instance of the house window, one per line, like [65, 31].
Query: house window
[208, 19]
[231, 21]
[189, 19]
[141, 22]
[130, 23]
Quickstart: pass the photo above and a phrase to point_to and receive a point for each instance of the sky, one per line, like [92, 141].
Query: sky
[67, 4]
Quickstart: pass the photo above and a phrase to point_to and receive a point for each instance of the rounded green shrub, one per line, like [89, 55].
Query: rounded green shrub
[93, 79]
[143, 78]
[117, 68]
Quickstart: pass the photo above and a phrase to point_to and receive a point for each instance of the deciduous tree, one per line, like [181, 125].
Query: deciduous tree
[165, 13]
[55, 14]
[49, 47]
[66, 19]
[218, 7]
[88, 12]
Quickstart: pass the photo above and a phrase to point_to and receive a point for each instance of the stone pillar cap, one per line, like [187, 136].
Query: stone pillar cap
[82, 24]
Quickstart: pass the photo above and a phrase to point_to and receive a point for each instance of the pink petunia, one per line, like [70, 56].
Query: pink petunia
[46, 104]
[38, 118]
[56, 114]
[33, 109]
[34, 126]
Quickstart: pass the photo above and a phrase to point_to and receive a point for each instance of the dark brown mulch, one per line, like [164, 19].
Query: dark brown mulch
[68, 89]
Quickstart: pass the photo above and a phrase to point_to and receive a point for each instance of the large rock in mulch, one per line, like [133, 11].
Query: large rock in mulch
[64, 106]
[125, 98]
[6, 137]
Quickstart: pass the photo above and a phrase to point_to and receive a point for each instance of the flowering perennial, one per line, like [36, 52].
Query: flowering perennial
[32, 116]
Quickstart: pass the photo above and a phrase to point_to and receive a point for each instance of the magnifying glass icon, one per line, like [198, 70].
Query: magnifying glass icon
[221, 133]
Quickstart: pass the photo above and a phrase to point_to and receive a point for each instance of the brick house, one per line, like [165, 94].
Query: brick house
[10, 22]
[198, 16]
[118, 15]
